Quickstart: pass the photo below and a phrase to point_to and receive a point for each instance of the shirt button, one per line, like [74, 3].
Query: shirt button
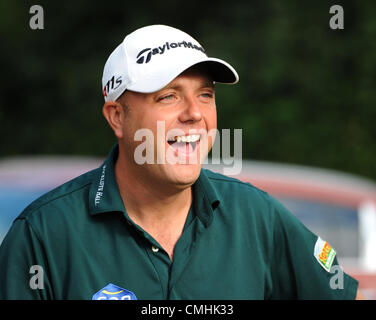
[155, 249]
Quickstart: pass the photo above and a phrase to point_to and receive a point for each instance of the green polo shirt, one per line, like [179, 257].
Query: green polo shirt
[237, 243]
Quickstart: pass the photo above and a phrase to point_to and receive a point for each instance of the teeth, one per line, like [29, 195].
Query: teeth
[190, 138]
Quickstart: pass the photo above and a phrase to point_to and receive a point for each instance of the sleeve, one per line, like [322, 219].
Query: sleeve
[23, 273]
[304, 266]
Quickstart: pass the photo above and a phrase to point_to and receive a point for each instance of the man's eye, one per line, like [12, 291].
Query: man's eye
[168, 97]
[207, 95]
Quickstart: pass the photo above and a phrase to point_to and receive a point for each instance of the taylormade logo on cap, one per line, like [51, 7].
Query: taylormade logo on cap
[151, 57]
[144, 55]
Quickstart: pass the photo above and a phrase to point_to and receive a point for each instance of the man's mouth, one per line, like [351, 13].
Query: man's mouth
[184, 143]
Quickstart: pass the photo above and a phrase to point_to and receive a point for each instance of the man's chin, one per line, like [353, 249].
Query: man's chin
[185, 175]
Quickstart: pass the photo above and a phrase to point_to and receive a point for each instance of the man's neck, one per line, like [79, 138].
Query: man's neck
[160, 211]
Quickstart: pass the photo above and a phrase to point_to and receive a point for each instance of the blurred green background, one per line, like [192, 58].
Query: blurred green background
[306, 93]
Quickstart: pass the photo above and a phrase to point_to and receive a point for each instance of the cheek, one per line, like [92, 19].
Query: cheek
[154, 126]
[135, 132]
[139, 121]
[211, 119]
[211, 129]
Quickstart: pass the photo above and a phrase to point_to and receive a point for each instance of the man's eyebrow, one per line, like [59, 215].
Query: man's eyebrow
[209, 84]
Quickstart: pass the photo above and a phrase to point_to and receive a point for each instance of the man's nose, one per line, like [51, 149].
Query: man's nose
[192, 111]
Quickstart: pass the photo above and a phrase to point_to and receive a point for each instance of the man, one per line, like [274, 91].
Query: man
[150, 223]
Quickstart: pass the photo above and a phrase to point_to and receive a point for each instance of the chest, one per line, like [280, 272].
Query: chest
[166, 235]
[209, 262]
[166, 238]
[206, 267]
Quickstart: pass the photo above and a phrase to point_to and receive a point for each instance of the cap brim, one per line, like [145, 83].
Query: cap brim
[221, 72]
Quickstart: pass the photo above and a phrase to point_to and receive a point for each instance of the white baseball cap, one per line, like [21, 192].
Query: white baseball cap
[151, 57]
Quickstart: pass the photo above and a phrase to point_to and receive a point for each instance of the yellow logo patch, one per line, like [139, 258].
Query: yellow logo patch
[324, 254]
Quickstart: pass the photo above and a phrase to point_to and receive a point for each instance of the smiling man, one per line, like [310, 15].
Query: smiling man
[158, 196]
[163, 228]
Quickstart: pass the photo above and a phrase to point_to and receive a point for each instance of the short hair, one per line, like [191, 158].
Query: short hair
[122, 103]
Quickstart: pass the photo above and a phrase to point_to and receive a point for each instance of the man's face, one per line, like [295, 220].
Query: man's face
[183, 111]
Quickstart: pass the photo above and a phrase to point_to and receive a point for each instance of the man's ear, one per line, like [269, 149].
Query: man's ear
[114, 114]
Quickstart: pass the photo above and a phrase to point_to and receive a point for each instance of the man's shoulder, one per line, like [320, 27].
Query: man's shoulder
[239, 194]
[62, 197]
[244, 199]
[226, 183]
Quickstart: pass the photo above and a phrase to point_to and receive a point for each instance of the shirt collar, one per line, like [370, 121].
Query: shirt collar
[205, 198]
[104, 195]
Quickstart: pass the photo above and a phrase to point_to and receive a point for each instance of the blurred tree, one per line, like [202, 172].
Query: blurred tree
[306, 92]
